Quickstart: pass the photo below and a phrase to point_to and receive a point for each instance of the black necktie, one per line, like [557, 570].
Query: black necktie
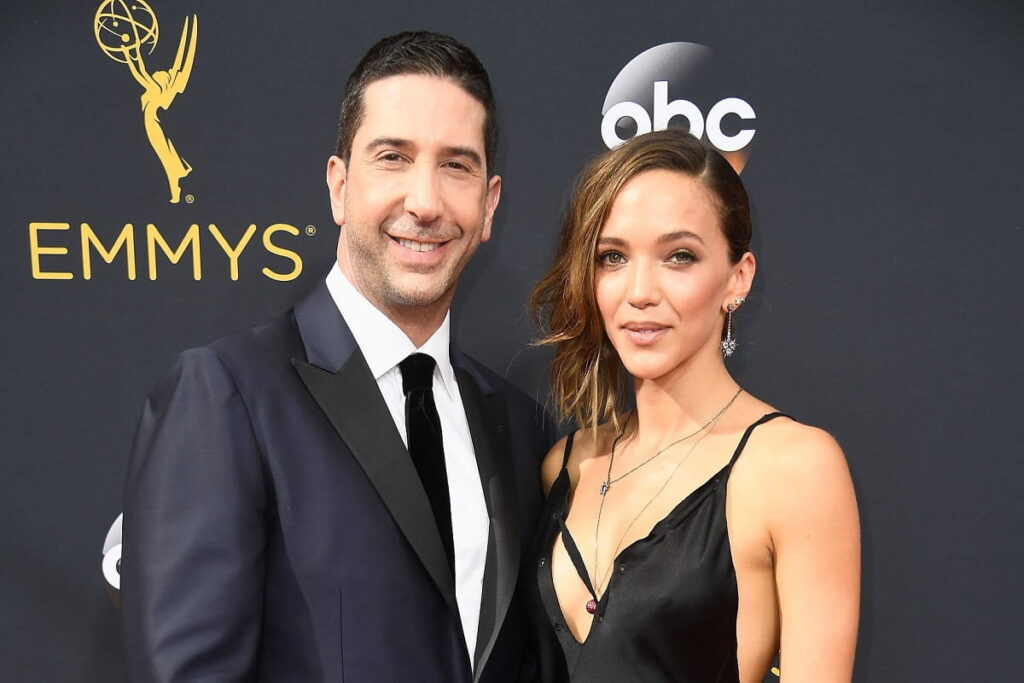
[425, 445]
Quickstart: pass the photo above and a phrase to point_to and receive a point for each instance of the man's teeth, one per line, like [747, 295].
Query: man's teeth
[418, 246]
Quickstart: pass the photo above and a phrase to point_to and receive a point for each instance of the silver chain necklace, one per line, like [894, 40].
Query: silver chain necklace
[608, 481]
[708, 426]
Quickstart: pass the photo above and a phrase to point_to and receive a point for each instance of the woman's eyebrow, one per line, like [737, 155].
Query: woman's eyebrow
[681, 234]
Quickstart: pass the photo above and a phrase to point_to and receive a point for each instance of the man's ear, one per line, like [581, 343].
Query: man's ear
[336, 176]
[490, 205]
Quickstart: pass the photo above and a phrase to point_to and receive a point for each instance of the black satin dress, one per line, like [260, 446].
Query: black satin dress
[669, 610]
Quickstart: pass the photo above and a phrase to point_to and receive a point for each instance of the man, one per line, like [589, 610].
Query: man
[291, 511]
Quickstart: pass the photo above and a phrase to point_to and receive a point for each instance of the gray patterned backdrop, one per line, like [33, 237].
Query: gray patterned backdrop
[885, 178]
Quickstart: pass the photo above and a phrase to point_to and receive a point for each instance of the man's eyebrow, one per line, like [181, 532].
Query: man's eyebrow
[377, 143]
[466, 152]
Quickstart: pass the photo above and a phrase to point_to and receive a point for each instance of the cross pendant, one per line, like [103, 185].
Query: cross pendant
[604, 488]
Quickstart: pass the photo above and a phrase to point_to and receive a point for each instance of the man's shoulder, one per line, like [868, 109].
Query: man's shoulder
[261, 350]
[275, 334]
[492, 382]
[489, 380]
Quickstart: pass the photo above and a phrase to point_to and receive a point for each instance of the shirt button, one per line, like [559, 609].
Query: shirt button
[542, 561]
[600, 619]
[558, 627]
[622, 569]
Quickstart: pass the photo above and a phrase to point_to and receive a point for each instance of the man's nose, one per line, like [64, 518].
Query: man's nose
[644, 289]
[423, 198]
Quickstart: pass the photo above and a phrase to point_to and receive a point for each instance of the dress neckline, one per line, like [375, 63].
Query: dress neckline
[688, 503]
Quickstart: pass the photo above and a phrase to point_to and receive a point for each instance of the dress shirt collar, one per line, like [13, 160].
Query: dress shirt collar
[381, 341]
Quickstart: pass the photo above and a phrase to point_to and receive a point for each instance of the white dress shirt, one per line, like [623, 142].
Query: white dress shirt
[384, 346]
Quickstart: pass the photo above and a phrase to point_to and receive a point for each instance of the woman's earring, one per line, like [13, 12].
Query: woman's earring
[729, 343]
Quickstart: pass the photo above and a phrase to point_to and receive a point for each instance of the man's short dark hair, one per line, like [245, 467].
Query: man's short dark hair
[424, 53]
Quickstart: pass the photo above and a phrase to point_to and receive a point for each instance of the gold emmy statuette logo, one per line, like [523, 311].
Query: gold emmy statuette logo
[124, 29]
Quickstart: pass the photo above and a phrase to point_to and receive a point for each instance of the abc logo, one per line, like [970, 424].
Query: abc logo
[638, 99]
[665, 111]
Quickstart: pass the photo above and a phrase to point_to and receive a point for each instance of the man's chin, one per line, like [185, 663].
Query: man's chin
[414, 290]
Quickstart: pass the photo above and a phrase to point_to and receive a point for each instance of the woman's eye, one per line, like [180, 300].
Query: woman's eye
[611, 258]
[682, 257]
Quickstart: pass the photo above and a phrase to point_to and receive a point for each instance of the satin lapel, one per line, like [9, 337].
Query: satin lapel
[488, 422]
[351, 400]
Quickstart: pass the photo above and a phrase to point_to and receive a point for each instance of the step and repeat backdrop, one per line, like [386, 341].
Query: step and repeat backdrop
[162, 184]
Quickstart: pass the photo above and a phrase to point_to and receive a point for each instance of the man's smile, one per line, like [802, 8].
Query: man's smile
[417, 246]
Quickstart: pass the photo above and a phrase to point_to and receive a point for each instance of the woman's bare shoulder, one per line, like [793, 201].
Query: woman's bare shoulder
[794, 468]
[552, 464]
[783, 447]
[585, 444]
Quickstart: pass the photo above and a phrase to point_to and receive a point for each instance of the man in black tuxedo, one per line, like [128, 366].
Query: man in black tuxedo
[339, 494]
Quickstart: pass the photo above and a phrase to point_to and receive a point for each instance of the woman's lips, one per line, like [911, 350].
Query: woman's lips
[644, 334]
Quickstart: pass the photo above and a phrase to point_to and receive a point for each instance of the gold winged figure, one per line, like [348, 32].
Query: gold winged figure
[128, 36]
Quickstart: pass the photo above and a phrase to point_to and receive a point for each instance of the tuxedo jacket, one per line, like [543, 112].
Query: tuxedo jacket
[275, 528]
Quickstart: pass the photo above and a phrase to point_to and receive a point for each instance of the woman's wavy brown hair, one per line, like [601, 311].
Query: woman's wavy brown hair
[588, 381]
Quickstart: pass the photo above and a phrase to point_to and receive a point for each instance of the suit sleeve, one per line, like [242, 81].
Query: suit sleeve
[192, 566]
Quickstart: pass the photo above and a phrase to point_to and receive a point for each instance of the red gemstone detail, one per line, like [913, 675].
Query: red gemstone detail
[591, 606]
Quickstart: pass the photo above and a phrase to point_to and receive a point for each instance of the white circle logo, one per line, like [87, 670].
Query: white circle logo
[638, 100]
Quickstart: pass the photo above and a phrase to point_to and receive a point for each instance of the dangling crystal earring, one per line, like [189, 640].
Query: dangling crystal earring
[729, 343]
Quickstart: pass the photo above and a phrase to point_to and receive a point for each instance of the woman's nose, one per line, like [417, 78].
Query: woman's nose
[643, 287]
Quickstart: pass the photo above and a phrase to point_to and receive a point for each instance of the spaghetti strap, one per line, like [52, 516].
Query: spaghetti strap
[574, 555]
[749, 431]
[568, 449]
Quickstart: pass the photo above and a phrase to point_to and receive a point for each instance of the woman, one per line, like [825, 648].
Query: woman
[693, 536]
